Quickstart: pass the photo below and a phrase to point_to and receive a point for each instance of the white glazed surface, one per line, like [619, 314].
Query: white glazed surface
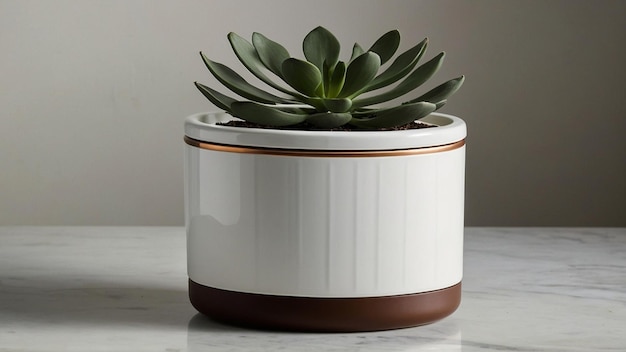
[286, 225]
[202, 127]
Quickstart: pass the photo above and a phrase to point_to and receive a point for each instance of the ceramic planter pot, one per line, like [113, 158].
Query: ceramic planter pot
[325, 231]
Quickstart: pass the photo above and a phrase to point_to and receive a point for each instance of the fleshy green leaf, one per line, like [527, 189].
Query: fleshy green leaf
[337, 80]
[316, 103]
[414, 80]
[400, 67]
[237, 84]
[326, 76]
[302, 75]
[265, 115]
[386, 45]
[321, 47]
[357, 51]
[220, 100]
[329, 119]
[396, 116]
[441, 92]
[337, 104]
[359, 73]
[250, 59]
[270, 53]
[440, 104]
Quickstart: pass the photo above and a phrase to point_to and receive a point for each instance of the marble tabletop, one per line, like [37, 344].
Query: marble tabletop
[124, 289]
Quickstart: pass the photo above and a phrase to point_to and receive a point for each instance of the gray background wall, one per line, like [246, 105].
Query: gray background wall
[93, 95]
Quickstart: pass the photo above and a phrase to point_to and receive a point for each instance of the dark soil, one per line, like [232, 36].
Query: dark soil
[307, 127]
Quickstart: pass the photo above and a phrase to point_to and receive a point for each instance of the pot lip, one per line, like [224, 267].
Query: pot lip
[202, 127]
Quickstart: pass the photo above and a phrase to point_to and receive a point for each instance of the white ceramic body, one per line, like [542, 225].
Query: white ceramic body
[317, 226]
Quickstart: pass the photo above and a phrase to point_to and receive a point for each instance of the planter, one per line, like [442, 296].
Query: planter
[325, 231]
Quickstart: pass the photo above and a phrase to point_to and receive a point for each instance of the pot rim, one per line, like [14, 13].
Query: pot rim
[202, 127]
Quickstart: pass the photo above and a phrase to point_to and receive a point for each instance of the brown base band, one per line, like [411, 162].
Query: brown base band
[324, 314]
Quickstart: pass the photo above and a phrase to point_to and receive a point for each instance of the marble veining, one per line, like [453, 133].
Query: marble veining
[124, 289]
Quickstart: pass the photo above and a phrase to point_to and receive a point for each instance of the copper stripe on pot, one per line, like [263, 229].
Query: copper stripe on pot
[321, 153]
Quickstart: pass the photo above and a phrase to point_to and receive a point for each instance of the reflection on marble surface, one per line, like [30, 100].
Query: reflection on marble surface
[124, 289]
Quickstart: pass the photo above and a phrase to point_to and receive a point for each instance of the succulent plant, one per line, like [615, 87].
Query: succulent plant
[323, 91]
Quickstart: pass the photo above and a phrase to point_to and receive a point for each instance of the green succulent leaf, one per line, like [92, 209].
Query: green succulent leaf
[302, 75]
[337, 104]
[321, 48]
[414, 80]
[441, 92]
[359, 73]
[357, 51]
[329, 119]
[265, 115]
[400, 67]
[440, 104]
[396, 116]
[317, 103]
[337, 80]
[270, 53]
[220, 100]
[233, 81]
[326, 76]
[386, 45]
[250, 59]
